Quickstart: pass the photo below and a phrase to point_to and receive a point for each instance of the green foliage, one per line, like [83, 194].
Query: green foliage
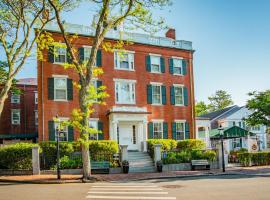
[254, 158]
[191, 144]
[16, 156]
[103, 147]
[260, 104]
[166, 145]
[201, 108]
[220, 100]
[4, 78]
[70, 163]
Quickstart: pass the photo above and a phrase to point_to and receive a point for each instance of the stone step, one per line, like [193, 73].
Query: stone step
[142, 169]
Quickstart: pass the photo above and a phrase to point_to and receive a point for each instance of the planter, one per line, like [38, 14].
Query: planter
[125, 169]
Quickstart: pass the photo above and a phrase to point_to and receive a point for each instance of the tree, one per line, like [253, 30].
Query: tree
[17, 36]
[220, 100]
[260, 105]
[201, 108]
[109, 15]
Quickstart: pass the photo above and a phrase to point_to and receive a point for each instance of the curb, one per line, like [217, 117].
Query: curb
[41, 182]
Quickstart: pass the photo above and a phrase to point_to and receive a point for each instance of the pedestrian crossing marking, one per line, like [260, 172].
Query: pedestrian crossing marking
[129, 197]
[126, 192]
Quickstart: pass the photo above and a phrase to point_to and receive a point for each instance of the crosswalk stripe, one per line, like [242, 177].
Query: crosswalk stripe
[123, 186]
[126, 192]
[129, 197]
[126, 189]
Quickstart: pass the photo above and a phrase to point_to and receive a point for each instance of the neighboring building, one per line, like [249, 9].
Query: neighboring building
[234, 116]
[150, 87]
[203, 128]
[19, 119]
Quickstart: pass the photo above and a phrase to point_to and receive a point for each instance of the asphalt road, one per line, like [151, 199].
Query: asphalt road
[205, 188]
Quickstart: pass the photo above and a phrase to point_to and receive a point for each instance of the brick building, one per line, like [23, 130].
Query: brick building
[19, 118]
[150, 87]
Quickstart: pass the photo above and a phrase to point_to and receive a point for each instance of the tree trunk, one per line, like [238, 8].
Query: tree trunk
[85, 145]
[4, 95]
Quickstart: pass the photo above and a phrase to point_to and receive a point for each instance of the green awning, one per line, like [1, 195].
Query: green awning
[19, 136]
[229, 133]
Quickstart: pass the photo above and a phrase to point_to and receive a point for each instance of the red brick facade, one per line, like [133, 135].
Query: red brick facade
[27, 127]
[49, 108]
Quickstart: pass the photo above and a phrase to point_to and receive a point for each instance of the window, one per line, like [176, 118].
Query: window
[36, 117]
[63, 132]
[236, 143]
[36, 98]
[255, 128]
[93, 124]
[177, 66]
[156, 94]
[155, 64]
[157, 130]
[124, 60]
[239, 124]
[201, 132]
[180, 130]
[134, 134]
[15, 116]
[60, 88]
[179, 97]
[15, 98]
[125, 92]
[60, 54]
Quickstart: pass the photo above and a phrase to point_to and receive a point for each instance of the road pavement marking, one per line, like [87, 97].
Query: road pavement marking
[129, 197]
[124, 186]
[126, 192]
[127, 189]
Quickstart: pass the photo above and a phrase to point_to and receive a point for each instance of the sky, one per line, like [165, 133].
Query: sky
[231, 39]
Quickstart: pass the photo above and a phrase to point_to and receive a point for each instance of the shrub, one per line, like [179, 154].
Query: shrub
[191, 144]
[16, 156]
[209, 155]
[166, 145]
[254, 158]
[103, 147]
[70, 163]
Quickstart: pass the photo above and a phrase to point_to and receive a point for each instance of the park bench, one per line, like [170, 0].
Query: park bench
[200, 163]
[102, 167]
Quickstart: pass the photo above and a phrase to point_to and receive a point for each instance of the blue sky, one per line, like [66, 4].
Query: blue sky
[231, 39]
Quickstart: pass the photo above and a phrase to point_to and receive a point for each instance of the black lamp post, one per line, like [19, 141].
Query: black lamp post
[59, 133]
[221, 134]
[258, 142]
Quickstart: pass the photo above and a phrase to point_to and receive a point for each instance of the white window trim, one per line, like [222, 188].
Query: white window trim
[162, 128]
[61, 119]
[182, 86]
[36, 122]
[117, 64]
[63, 77]
[177, 57]
[155, 55]
[59, 76]
[54, 62]
[19, 98]
[176, 74]
[96, 121]
[184, 128]
[157, 120]
[125, 81]
[12, 121]
[36, 97]
[157, 84]
[180, 120]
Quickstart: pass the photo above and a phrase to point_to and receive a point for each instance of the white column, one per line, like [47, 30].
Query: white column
[35, 160]
[124, 152]
[157, 152]
[145, 136]
[114, 130]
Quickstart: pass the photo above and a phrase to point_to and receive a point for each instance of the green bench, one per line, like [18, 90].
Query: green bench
[101, 167]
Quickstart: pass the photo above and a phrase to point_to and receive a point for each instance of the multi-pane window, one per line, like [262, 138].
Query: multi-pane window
[179, 97]
[256, 128]
[155, 64]
[36, 98]
[124, 60]
[15, 98]
[15, 116]
[236, 143]
[177, 66]
[94, 125]
[180, 130]
[125, 92]
[60, 88]
[61, 131]
[60, 54]
[157, 130]
[156, 94]
[36, 117]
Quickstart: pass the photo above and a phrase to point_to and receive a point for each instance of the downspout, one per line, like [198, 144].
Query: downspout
[192, 99]
[42, 101]
[24, 91]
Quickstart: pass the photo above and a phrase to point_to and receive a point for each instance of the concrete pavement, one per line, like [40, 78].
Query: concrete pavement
[238, 187]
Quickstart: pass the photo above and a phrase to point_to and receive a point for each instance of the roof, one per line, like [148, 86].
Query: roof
[221, 113]
[230, 132]
[27, 81]
[130, 36]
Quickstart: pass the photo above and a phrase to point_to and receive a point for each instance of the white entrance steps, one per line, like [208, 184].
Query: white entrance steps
[140, 162]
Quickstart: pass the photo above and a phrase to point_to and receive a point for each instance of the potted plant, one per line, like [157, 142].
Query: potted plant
[125, 165]
[159, 166]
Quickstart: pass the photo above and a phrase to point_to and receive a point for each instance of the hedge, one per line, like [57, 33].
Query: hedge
[187, 156]
[191, 144]
[16, 156]
[254, 158]
[166, 145]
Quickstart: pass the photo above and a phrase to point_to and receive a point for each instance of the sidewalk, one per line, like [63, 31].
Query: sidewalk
[51, 179]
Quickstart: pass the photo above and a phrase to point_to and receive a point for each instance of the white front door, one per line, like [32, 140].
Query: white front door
[128, 136]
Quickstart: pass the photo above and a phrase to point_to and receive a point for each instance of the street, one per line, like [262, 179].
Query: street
[204, 188]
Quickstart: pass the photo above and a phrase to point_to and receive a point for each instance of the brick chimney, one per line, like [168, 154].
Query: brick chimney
[171, 33]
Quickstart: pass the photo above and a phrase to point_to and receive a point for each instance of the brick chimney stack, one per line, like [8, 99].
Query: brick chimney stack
[171, 33]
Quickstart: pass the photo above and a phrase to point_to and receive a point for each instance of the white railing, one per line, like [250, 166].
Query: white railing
[134, 37]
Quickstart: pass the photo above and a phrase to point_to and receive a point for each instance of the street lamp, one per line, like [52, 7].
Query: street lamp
[258, 142]
[221, 134]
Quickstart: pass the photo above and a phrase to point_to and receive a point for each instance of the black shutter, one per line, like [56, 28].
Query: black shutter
[100, 128]
[68, 54]
[70, 134]
[51, 54]
[99, 58]
[174, 130]
[185, 96]
[163, 90]
[81, 54]
[51, 130]
[149, 94]
[69, 89]
[171, 65]
[184, 65]
[162, 64]
[51, 88]
[187, 134]
[148, 63]
[172, 95]
[165, 130]
[150, 130]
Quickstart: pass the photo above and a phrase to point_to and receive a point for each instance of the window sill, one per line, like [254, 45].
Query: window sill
[178, 74]
[157, 104]
[156, 72]
[131, 70]
[179, 105]
[60, 100]
[59, 63]
[133, 103]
